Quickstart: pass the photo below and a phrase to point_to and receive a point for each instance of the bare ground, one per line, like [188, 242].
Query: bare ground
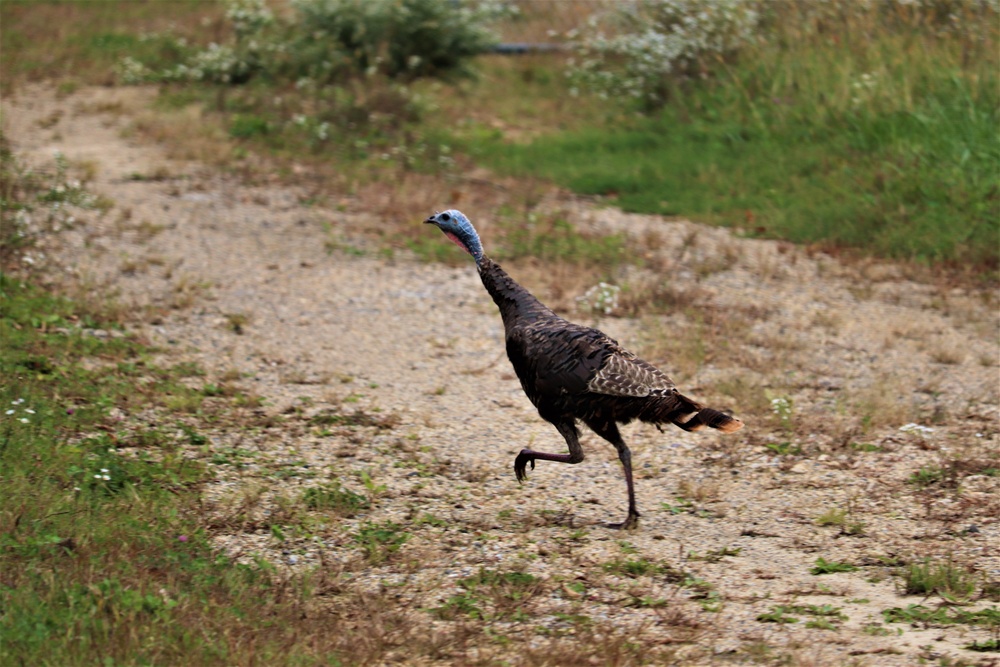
[391, 367]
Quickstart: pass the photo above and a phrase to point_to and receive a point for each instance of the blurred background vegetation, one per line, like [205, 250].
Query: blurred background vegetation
[848, 125]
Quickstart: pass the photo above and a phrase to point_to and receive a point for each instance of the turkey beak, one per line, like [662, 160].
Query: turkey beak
[430, 221]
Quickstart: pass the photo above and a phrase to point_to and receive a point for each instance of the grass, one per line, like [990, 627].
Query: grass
[781, 145]
[938, 577]
[824, 617]
[824, 566]
[920, 615]
[885, 144]
[93, 37]
[104, 555]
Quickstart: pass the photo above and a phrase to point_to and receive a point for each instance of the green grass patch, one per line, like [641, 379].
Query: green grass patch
[639, 567]
[105, 559]
[887, 144]
[824, 566]
[941, 616]
[85, 41]
[333, 497]
[380, 541]
[824, 617]
[938, 577]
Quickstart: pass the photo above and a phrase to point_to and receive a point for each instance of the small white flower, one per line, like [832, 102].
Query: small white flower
[17, 402]
[24, 420]
[105, 470]
[105, 477]
[29, 411]
[97, 476]
[10, 412]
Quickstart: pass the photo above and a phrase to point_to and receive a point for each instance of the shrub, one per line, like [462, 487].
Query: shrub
[330, 40]
[398, 38]
[659, 41]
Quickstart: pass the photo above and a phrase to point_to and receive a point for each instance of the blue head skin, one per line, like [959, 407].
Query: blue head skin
[457, 227]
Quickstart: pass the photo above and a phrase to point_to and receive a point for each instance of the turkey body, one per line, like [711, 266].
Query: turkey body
[573, 373]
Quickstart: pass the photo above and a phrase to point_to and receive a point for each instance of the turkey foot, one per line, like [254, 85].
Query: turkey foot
[631, 523]
[523, 458]
[527, 456]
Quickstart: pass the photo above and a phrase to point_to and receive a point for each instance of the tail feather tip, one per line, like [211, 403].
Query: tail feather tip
[733, 424]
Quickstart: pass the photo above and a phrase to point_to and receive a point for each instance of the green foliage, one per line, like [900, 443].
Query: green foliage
[716, 555]
[490, 594]
[987, 646]
[941, 616]
[836, 516]
[824, 566]
[927, 476]
[104, 558]
[247, 127]
[335, 498]
[640, 567]
[330, 41]
[380, 540]
[824, 616]
[886, 143]
[943, 578]
[784, 448]
[552, 238]
[658, 42]
[393, 37]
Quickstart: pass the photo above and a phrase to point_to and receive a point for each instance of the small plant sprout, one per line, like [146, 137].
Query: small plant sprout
[824, 566]
[943, 578]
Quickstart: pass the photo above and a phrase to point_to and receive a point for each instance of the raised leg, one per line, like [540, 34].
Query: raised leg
[526, 456]
[609, 431]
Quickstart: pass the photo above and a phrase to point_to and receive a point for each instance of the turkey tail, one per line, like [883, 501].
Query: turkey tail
[710, 418]
[678, 409]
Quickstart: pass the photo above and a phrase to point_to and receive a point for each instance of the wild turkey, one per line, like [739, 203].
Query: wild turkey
[572, 372]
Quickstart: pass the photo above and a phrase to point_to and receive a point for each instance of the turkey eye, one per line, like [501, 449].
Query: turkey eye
[445, 217]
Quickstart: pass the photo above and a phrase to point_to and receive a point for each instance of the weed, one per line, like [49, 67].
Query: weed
[943, 578]
[716, 555]
[679, 506]
[776, 615]
[491, 594]
[824, 566]
[927, 476]
[824, 616]
[836, 516]
[335, 498]
[986, 646]
[784, 448]
[380, 540]
[924, 617]
[640, 567]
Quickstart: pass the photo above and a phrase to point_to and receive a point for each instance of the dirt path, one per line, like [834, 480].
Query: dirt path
[393, 367]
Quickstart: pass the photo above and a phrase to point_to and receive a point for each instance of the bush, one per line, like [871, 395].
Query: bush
[398, 38]
[660, 41]
[331, 40]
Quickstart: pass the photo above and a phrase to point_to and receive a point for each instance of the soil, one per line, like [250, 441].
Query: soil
[366, 362]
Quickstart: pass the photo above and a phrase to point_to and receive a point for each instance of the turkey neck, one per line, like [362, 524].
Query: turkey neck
[515, 302]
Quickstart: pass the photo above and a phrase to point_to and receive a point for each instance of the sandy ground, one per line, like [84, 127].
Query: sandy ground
[287, 302]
